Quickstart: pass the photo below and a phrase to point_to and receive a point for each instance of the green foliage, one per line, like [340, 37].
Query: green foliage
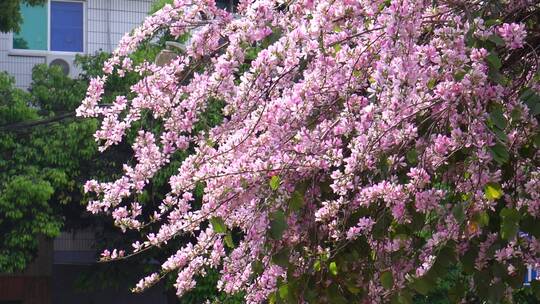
[159, 4]
[13, 102]
[509, 223]
[387, 280]
[493, 191]
[41, 167]
[53, 91]
[274, 182]
[25, 215]
[297, 201]
[10, 13]
[218, 225]
[278, 224]
[442, 291]
[452, 287]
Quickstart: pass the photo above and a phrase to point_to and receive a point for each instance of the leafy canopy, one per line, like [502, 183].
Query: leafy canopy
[40, 167]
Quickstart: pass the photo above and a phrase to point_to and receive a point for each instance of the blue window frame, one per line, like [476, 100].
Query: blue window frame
[56, 26]
[67, 26]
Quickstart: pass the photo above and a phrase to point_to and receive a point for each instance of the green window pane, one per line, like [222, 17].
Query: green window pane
[34, 29]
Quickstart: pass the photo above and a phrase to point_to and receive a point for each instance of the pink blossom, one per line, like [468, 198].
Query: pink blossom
[366, 112]
[513, 34]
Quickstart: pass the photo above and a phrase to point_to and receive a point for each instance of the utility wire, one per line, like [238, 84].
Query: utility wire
[24, 125]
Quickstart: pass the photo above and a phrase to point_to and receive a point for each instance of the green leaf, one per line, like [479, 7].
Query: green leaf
[470, 40]
[274, 182]
[335, 296]
[333, 268]
[385, 4]
[445, 257]
[218, 225]
[496, 292]
[403, 297]
[501, 135]
[493, 191]
[491, 22]
[497, 117]
[284, 291]
[412, 156]
[337, 47]
[383, 164]
[387, 280]
[459, 212]
[532, 100]
[499, 153]
[281, 258]
[311, 295]
[297, 201]
[509, 223]
[526, 94]
[431, 83]
[272, 298]
[459, 75]
[482, 218]
[257, 267]
[496, 39]
[535, 286]
[468, 260]
[530, 225]
[229, 241]
[317, 265]
[353, 289]
[494, 61]
[456, 293]
[536, 140]
[278, 224]
[423, 285]
[515, 114]
[497, 77]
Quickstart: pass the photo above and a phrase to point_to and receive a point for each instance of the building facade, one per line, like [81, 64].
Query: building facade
[56, 274]
[56, 32]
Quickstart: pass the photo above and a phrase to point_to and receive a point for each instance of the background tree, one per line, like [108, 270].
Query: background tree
[46, 155]
[45, 158]
[40, 168]
[10, 13]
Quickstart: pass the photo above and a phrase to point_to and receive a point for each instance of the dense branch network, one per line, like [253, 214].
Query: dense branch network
[364, 145]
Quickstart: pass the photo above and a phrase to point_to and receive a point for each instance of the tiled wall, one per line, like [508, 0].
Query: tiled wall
[107, 21]
[116, 17]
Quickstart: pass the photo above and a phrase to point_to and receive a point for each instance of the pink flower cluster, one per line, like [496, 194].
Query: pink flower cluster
[379, 109]
[513, 34]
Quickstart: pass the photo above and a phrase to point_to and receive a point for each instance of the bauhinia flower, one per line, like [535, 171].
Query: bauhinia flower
[365, 146]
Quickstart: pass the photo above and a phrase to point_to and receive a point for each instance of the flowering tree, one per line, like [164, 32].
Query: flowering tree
[365, 147]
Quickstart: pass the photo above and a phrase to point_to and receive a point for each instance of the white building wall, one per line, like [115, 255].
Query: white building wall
[109, 20]
[18, 66]
[106, 22]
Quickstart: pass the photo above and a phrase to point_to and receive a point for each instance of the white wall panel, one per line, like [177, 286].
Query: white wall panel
[107, 21]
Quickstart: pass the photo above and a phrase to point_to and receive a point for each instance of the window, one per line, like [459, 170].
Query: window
[58, 26]
[34, 29]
